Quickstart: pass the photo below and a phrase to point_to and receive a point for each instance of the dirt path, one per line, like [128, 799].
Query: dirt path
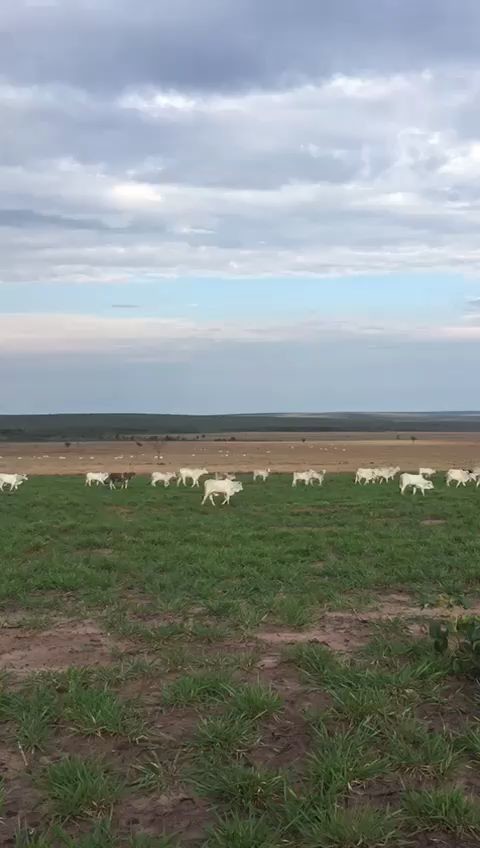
[281, 452]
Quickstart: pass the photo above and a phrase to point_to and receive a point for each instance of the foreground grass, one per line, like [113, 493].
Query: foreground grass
[191, 738]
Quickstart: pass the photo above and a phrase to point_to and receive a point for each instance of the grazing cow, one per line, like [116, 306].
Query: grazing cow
[427, 472]
[162, 477]
[227, 488]
[319, 476]
[97, 477]
[386, 472]
[301, 477]
[122, 477]
[224, 475]
[12, 480]
[192, 474]
[366, 475]
[476, 473]
[416, 481]
[459, 476]
[261, 474]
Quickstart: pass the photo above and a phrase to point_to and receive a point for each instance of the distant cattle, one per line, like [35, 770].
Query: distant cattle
[192, 474]
[366, 475]
[261, 474]
[459, 476]
[13, 481]
[97, 477]
[427, 472]
[121, 477]
[416, 481]
[319, 476]
[227, 488]
[164, 477]
[386, 473]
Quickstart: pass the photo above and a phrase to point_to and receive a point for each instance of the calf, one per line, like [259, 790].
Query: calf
[427, 472]
[227, 488]
[459, 476]
[122, 477]
[162, 477]
[12, 480]
[97, 477]
[416, 481]
[192, 474]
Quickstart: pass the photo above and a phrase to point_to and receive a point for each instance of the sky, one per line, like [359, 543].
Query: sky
[239, 206]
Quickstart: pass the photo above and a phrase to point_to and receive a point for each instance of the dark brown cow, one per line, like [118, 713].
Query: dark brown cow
[122, 477]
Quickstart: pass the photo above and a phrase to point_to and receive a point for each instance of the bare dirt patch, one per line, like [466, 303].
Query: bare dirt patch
[100, 552]
[433, 521]
[347, 631]
[338, 635]
[68, 643]
[176, 812]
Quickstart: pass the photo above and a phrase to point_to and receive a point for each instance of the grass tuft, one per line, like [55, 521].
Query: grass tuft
[100, 711]
[204, 688]
[442, 809]
[81, 787]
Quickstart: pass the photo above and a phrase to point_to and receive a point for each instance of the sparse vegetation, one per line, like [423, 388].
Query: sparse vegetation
[183, 676]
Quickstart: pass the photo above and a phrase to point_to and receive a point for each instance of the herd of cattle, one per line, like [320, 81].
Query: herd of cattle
[225, 484]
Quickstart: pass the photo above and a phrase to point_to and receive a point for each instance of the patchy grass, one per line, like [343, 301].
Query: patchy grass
[140, 710]
[81, 787]
[442, 809]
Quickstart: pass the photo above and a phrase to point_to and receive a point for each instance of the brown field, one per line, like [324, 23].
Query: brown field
[281, 452]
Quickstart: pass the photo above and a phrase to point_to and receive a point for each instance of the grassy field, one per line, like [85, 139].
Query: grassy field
[255, 676]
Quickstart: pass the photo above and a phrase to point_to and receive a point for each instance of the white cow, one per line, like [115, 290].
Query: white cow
[459, 476]
[97, 477]
[416, 481]
[476, 472]
[162, 477]
[427, 472]
[386, 472]
[261, 474]
[319, 476]
[366, 475]
[192, 474]
[227, 488]
[224, 475]
[12, 480]
[301, 477]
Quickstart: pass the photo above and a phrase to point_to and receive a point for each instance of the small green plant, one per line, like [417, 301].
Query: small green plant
[461, 640]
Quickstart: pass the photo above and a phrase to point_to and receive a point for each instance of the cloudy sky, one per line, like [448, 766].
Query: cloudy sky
[239, 205]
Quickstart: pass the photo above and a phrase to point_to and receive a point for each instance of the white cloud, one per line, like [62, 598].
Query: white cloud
[352, 174]
[158, 338]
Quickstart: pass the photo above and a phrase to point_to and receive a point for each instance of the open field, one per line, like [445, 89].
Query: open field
[281, 452]
[256, 676]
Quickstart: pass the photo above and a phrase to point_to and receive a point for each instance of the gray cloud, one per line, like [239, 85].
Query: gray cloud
[238, 138]
[228, 44]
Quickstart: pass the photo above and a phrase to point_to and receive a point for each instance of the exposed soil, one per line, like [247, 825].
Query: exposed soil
[347, 631]
[172, 813]
[281, 452]
[68, 643]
